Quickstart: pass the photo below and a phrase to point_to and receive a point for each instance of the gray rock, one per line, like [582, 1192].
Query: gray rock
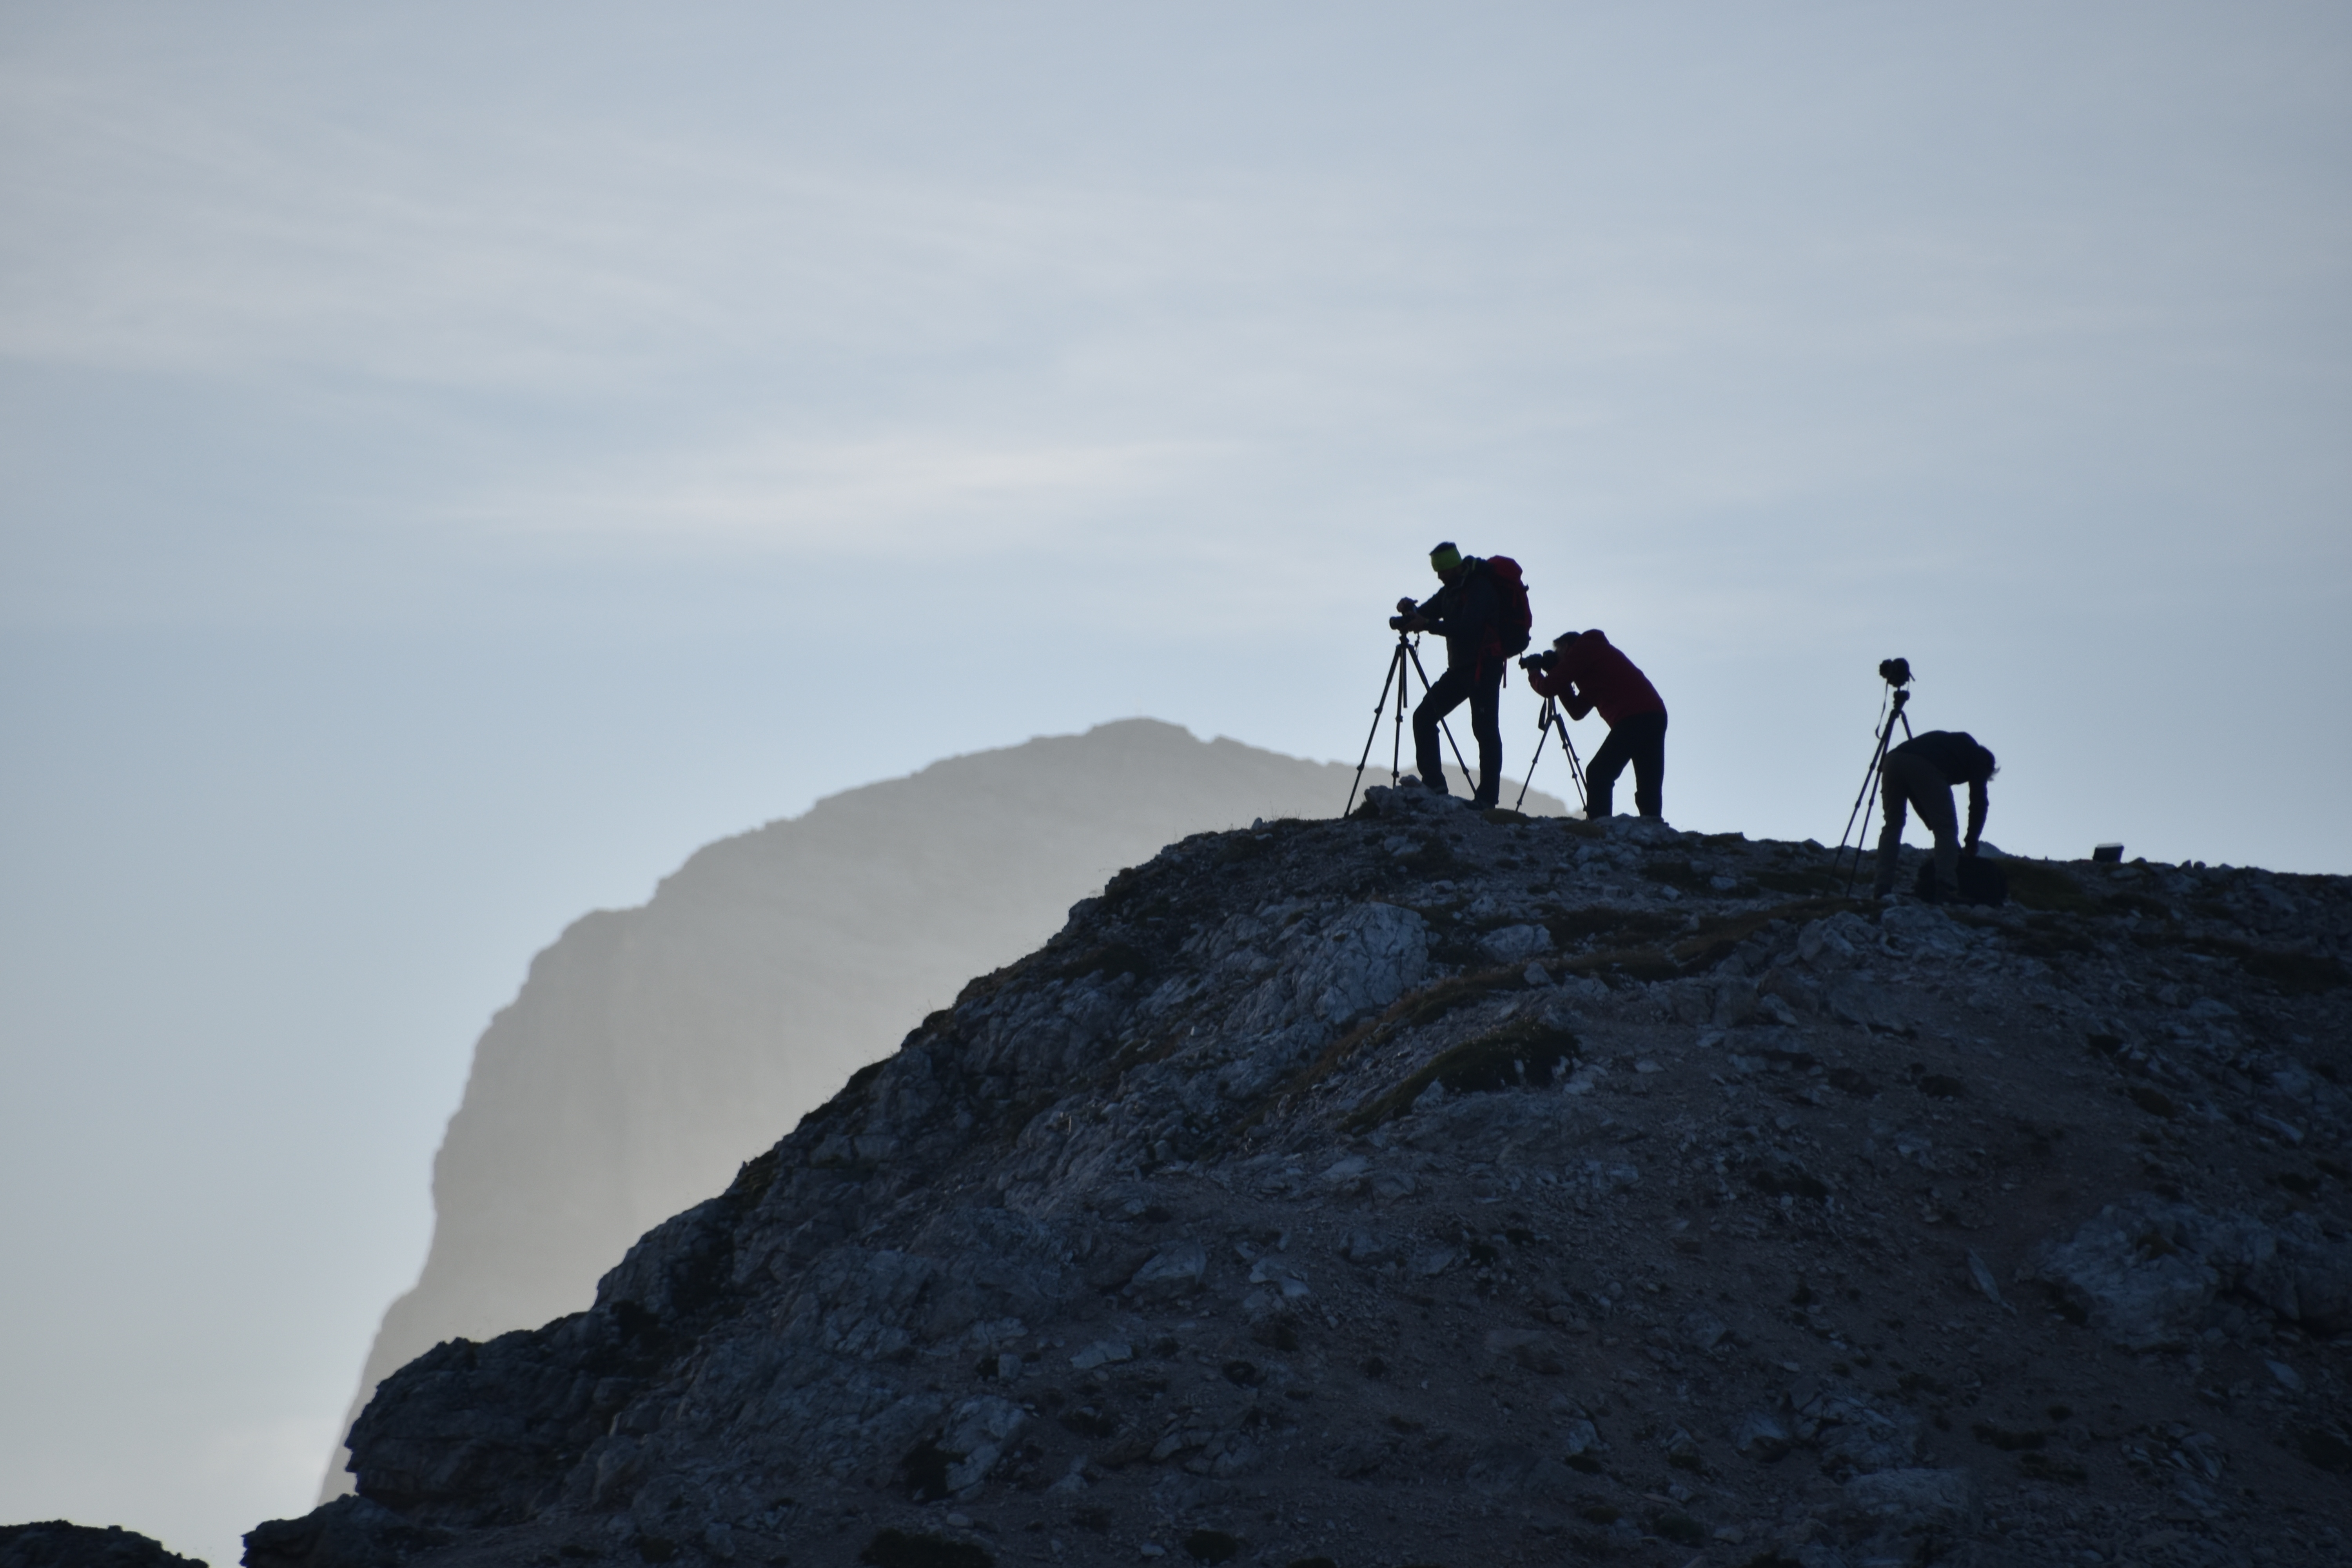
[1923, 926]
[1854, 1436]
[1761, 1437]
[2139, 1297]
[1364, 959]
[975, 1438]
[1349, 1169]
[1860, 1000]
[1734, 1002]
[1980, 1273]
[1530, 1348]
[2146, 1272]
[1435, 1260]
[1281, 1275]
[1174, 1271]
[1703, 1330]
[1515, 943]
[1826, 945]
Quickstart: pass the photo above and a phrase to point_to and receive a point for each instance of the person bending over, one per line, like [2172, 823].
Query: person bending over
[1586, 671]
[1467, 612]
[1921, 772]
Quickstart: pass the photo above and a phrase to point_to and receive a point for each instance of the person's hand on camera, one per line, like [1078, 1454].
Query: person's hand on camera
[1407, 606]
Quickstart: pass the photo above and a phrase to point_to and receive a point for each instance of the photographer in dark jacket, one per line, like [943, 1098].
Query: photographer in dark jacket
[1468, 614]
[1921, 772]
[1585, 671]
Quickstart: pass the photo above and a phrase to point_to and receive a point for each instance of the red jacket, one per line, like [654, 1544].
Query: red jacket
[1590, 673]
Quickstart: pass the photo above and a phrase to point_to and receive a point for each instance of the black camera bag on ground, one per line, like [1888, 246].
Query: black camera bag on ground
[1982, 882]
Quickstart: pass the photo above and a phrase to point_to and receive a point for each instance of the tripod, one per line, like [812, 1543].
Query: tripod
[1550, 717]
[1406, 651]
[1870, 786]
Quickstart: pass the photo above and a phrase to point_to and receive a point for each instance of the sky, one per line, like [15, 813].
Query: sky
[456, 460]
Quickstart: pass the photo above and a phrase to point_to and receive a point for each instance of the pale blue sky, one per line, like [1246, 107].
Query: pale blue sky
[456, 459]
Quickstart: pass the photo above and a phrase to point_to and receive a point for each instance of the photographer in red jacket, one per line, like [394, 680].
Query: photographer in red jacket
[1584, 671]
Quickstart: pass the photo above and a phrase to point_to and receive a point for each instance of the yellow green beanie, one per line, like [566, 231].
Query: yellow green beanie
[1444, 558]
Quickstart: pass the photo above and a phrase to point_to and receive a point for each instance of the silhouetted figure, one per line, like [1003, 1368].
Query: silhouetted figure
[1586, 671]
[1468, 613]
[1920, 772]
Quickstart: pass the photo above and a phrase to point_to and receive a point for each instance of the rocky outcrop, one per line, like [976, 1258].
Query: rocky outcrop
[652, 1050]
[1274, 1209]
[55, 1543]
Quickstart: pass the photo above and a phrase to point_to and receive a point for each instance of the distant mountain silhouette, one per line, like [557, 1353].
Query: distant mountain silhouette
[653, 1049]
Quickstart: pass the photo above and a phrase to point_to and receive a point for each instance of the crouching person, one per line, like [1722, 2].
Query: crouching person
[1585, 672]
[1920, 772]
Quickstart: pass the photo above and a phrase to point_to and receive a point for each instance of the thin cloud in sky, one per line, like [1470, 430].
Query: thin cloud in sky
[905, 495]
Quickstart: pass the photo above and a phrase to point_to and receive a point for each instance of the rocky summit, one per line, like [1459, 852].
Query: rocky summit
[1441, 1187]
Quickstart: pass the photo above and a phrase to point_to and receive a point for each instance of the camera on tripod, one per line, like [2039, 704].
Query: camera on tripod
[1895, 672]
[1536, 661]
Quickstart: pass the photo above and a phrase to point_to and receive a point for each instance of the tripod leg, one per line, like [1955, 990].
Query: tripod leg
[1373, 733]
[1543, 725]
[1877, 755]
[1575, 767]
[1861, 842]
[1396, 737]
[1869, 791]
[1865, 798]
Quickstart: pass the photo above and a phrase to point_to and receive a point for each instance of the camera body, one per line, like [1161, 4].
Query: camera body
[1895, 672]
[1396, 623]
[1536, 661]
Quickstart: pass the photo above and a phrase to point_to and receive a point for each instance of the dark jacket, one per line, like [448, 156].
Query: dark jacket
[1590, 673]
[1955, 754]
[1468, 614]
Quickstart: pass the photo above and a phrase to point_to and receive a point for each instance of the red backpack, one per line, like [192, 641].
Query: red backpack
[1519, 619]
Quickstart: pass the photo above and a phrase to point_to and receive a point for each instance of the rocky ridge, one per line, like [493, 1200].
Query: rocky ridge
[1440, 1187]
[58, 1544]
[651, 1050]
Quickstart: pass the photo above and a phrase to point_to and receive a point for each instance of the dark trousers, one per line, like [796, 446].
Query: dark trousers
[1639, 739]
[1914, 780]
[1483, 685]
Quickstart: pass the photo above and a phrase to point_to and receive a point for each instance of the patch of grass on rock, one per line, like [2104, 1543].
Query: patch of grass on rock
[1526, 1053]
